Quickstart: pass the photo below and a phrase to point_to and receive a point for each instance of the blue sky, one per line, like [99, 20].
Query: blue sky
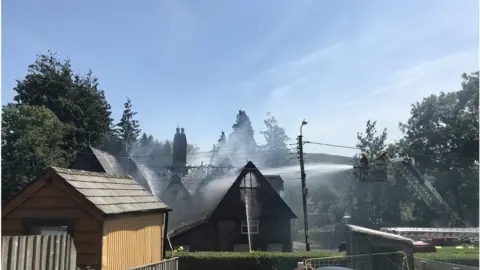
[196, 63]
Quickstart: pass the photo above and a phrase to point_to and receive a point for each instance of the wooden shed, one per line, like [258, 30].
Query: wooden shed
[371, 249]
[115, 222]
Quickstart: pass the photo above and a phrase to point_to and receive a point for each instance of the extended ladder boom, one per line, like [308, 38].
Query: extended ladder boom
[423, 188]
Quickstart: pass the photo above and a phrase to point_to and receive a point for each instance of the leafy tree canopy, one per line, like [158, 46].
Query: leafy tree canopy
[33, 138]
[75, 99]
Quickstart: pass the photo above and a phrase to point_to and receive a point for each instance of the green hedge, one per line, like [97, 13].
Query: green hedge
[245, 260]
[289, 260]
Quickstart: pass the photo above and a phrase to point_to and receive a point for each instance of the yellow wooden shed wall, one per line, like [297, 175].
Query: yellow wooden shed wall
[131, 241]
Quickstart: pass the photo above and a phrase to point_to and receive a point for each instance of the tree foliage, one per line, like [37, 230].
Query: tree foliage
[366, 201]
[128, 129]
[442, 135]
[241, 142]
[33, 138]
[276, 149]
[75, 99]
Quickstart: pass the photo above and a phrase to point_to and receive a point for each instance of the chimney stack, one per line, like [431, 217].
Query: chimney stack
[179, 161]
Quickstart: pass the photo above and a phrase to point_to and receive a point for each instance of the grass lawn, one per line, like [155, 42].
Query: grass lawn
[466, 256]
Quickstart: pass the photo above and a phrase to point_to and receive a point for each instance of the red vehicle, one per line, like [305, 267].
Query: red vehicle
[446, 241]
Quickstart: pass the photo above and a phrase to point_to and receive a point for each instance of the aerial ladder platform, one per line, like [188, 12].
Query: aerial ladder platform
[384, 170]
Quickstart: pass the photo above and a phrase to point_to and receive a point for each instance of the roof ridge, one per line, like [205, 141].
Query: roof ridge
[126, 183]
[89, 173]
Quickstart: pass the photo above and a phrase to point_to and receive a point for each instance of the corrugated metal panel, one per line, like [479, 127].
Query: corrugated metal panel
[132, 241]
[38, 252]
[363, 230]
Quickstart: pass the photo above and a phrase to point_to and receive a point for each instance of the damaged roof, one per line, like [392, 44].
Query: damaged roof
[111, 193]
[175, 179]
[111, 164]
[210, 209]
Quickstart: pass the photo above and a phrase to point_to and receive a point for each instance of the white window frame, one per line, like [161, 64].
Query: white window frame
[254, 226]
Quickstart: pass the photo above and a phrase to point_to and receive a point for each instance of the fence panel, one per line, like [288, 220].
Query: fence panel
[168, 264]
[388, 260]
[42, 252]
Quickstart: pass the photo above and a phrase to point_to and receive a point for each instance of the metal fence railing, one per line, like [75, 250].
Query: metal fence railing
[168, 264]
[38, 252]
[387, 260]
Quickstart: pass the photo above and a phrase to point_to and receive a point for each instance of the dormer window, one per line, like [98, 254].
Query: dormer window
[249, 181]
[248, 193]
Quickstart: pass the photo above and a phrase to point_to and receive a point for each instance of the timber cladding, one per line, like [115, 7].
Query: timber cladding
[132, 240]
[49, 203]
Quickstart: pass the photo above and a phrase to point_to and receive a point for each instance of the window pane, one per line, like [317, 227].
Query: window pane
[254, 226]
[249, 181]
[50, 230]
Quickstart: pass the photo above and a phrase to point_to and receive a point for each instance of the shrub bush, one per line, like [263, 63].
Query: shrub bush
[245, 260]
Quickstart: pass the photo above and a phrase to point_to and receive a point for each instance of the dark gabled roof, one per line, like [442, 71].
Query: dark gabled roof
[112, 194]
[175, 179]
[211, 208]
[116, 165]
[274, 177]
[251, 168]
[187, 227]
[276, 181]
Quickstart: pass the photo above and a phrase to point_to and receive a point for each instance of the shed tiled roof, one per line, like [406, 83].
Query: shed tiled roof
[112, 194]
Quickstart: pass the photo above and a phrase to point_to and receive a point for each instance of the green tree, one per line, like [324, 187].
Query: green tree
[33, 138]
[277, 153]
[145, 140]
[241, 142]
[167, 150]
[128, 129]
[442, 135]
[365, 199]
[75, 99]
[192, 149]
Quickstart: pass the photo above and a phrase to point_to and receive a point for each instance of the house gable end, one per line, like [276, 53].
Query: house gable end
[51, 178]
[268, 197]
[27, 191]
[78, 197]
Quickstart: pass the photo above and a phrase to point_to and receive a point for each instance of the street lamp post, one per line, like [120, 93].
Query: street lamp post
[304, 188]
